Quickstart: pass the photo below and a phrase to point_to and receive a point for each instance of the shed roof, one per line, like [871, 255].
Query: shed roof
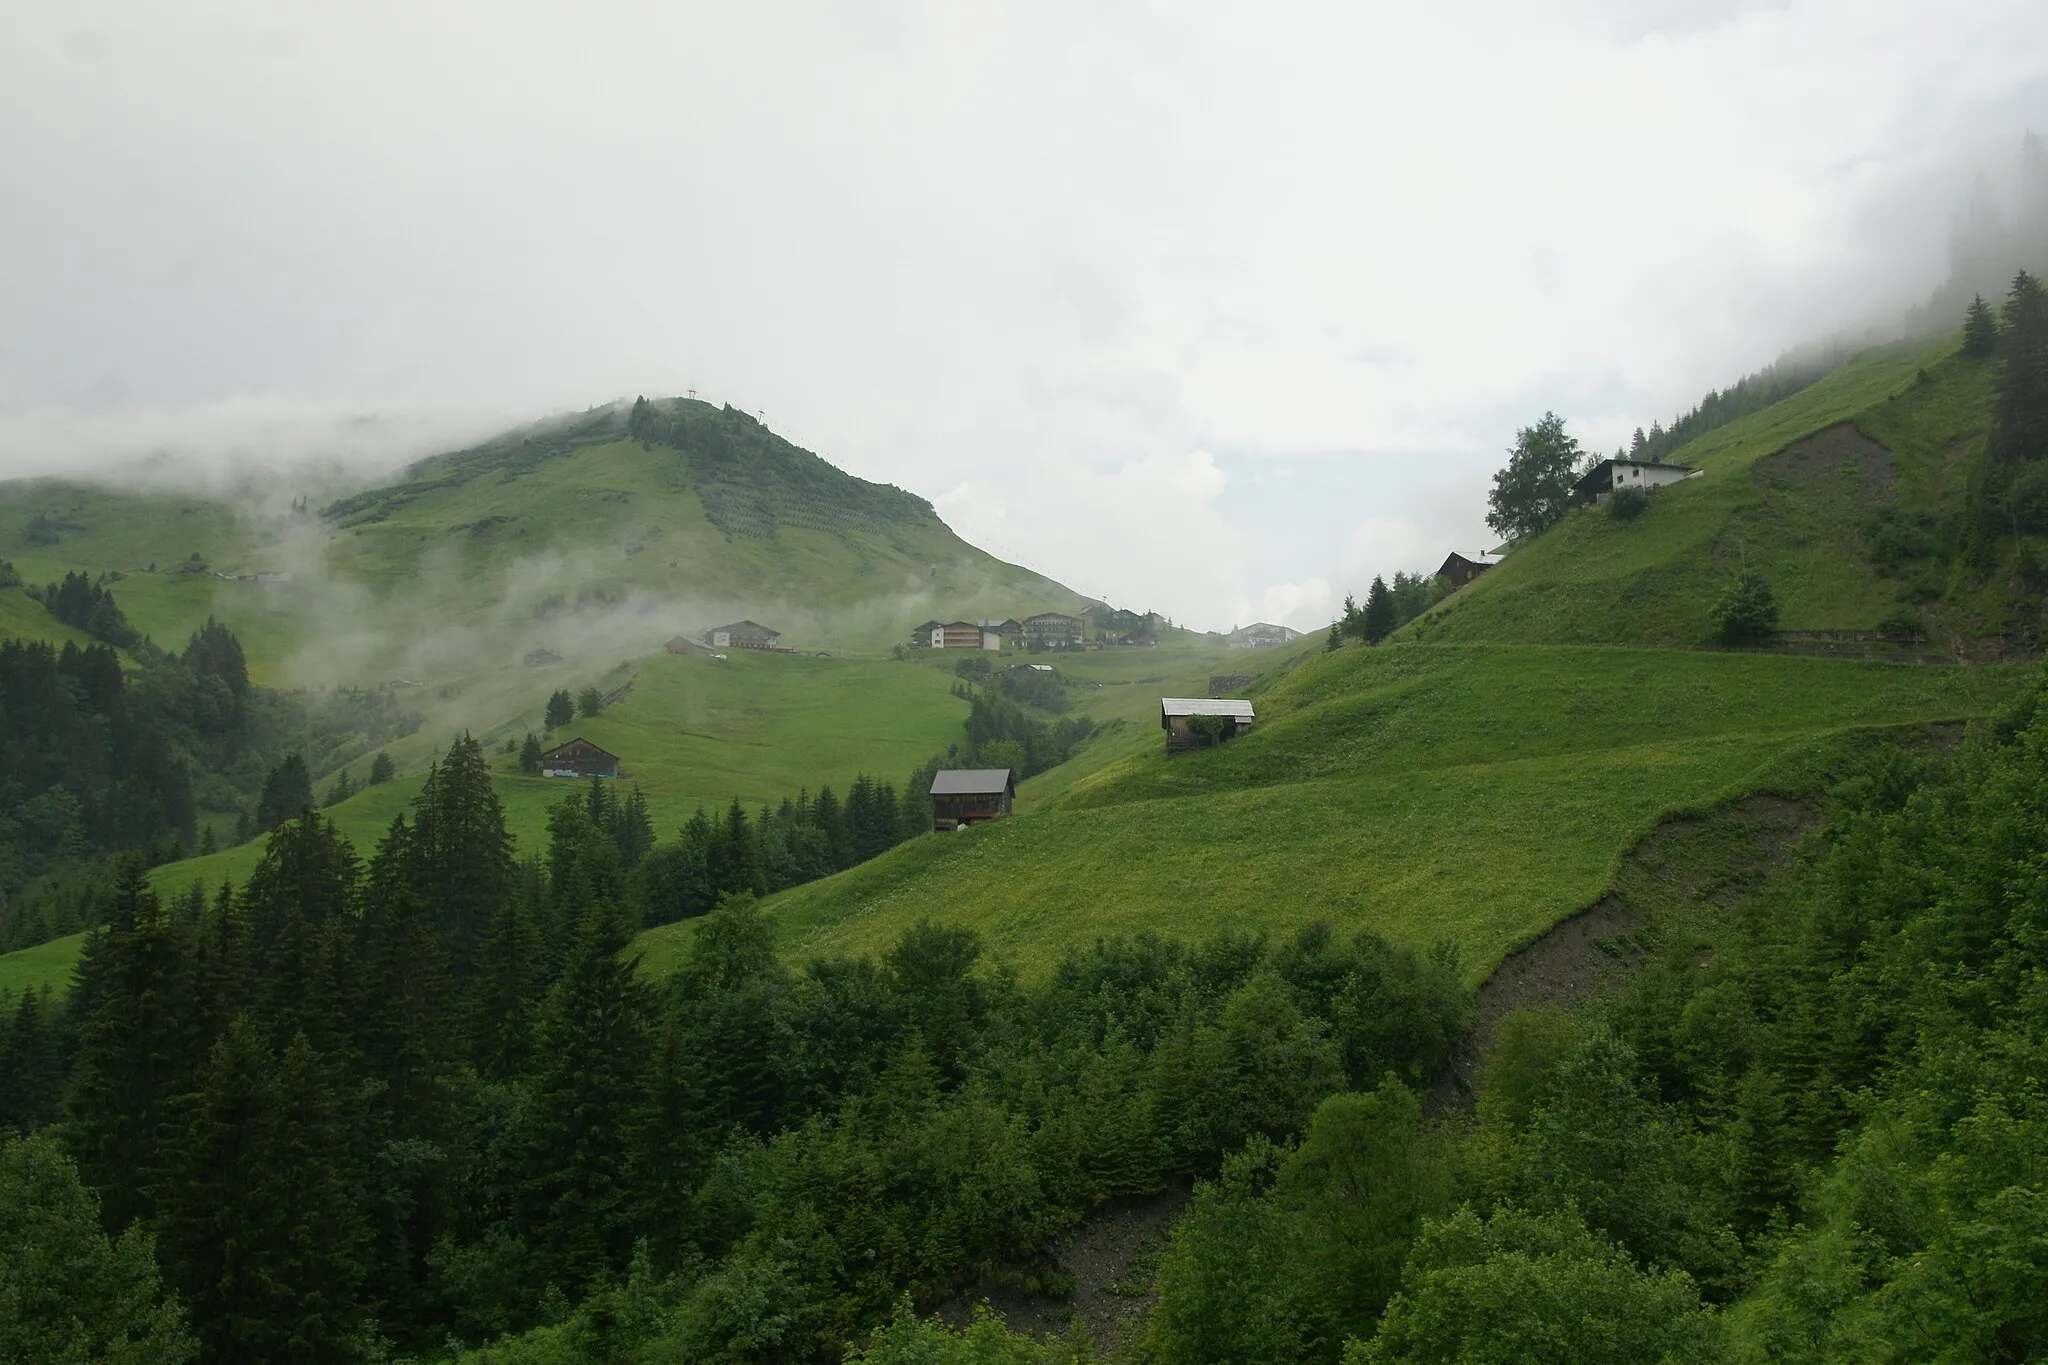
[1475, 559]
[579, 743]
[1596, 477]
[971, 782]
[1206, 706]
[747, 625]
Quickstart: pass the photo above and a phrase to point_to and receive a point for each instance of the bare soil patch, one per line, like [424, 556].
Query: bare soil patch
[1110, 1257]
[1598, 947]
[1819, 460]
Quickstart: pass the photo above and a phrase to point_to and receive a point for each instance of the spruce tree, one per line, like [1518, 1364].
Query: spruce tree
[561, 709]
[287, 791]
[634, 831]
[32, 1065]
[1336, 640]
[2019, 429]
[462, 854]
[132, 1038]
[1380, 619]
[529, 755]
[504, 989]
[382, 769]
[1980, 329]
[586, 1104]
[259, 1227]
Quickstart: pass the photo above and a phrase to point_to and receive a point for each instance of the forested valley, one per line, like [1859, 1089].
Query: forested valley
[410, 1103]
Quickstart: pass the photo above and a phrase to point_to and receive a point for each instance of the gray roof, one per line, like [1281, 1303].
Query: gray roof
[1206, 706]
[971, 782]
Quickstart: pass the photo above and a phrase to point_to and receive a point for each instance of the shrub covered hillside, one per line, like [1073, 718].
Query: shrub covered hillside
[1867, 501]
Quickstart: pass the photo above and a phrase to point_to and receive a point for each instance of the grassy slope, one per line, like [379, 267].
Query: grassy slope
[1483, 789]
[1596, 580]
[1473, 794]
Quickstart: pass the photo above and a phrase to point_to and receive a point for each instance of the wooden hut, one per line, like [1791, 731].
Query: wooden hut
[579, 758]
[742, 635]
[1185, 721]
[968, 796]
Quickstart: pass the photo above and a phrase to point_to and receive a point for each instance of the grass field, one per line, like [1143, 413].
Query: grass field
[45, 967]
[1477, 795]
[1652, 581]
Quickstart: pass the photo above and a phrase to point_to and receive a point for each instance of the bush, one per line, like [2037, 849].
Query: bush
[1746, 612]
[1627, 504]
[972, 666]
[1902, 626]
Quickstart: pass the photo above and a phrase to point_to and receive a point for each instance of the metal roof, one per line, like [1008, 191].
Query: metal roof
[971, 782]
[1206, 706]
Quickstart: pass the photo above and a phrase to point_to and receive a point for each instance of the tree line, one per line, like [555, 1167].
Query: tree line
[428, 1094]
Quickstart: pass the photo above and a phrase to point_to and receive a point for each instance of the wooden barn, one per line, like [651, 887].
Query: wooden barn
[1202, 722]
[742, 635]
[683, 644]
[969, 796]
[579, 758]
[1462, 569]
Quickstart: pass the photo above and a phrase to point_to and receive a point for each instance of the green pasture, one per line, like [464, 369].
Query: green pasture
[45, 967]
[1477, 795]
[1593, 579]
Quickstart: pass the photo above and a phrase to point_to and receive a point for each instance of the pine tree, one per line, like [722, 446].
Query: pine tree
[1353, 620]
[382, 769]
[529, 755]
[259, 1228]
[32, 1064]
[589, 702]
[462, 854]
[131, 1039]
[287, 791]
[587, 1103]
[1380, 619]
[735, 855]
[1980, 329]
[634, 831]
[504, 991]
[561, 709]
[1336, 640]
[2019, 428]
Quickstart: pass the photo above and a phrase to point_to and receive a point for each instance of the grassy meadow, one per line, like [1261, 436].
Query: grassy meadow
[1594, 579]
[1476, 795]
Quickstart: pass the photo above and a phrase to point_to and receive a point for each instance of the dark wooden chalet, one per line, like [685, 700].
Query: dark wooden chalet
[578, 758]
[683, 644]
[742, 635]
[968, 796]
[1462, 569]
[1176, 713]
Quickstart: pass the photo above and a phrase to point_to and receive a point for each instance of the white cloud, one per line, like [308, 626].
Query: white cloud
[1033, 258]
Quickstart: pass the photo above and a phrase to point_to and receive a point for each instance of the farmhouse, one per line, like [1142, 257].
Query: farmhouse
[1260, 634]
[1609, 477]
[541, 658]
[578, 758]
[1052, 629]
[1202, 722]
[923, 637]
[742, 635]
[1462, 569]
[968, 796]
[683, 644]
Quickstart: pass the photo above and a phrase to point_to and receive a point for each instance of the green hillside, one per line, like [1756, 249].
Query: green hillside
[569, 536]
[1427, 792]
[1838, 495]
[1480, 777]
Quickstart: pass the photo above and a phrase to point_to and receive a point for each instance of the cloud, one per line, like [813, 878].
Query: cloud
[1055, 256]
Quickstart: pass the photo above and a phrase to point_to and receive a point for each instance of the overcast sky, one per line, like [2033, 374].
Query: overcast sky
[1215, 309]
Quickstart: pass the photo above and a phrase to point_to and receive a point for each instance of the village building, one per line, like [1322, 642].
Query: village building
[742, 635]
[1260, 635]
[541, 658]
[923, 637]
[1185, 719]
[957, 635]
[1609, 477]
[1461, 569]
[969, 796]
[683, 644]
[578, 758]
[1053, 630]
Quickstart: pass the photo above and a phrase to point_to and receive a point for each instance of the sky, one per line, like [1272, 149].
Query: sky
[1216, 310]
